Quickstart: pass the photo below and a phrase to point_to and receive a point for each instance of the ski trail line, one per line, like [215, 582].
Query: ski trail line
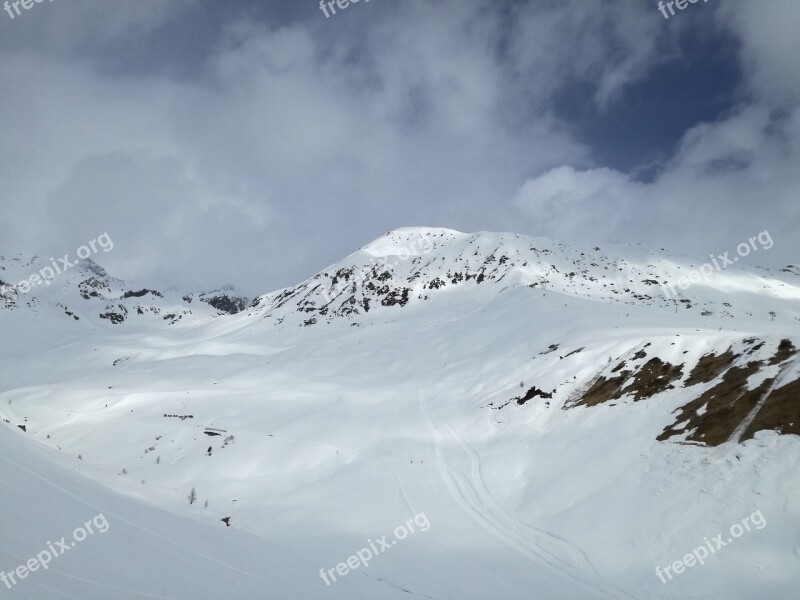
[104, 586]
[455, 492]
[469, 500]
[577, 558]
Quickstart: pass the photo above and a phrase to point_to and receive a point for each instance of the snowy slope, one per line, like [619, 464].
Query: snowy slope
[144, 551]
[564, 428]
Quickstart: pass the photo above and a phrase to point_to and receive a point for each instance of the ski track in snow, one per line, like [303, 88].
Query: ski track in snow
[578, 557]
[455, 492]
[475, 500]
[402, 489]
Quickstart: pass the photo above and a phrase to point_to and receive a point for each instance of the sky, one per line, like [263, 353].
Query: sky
[254, 143]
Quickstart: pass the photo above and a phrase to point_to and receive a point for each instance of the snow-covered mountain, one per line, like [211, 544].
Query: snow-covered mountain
[418, 263]
[565, 424]
[86, 290]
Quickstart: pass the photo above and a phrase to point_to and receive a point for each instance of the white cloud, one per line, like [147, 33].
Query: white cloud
[565, 202]
[769, 44]
[297, 143]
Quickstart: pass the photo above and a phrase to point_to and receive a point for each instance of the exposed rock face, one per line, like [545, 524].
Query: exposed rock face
[225, 303]
[737, 392]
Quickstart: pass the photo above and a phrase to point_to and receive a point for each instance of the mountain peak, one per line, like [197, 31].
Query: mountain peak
[410, 239]
[414, 264]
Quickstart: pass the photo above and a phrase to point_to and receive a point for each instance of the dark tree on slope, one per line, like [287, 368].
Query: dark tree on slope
[192, 496]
